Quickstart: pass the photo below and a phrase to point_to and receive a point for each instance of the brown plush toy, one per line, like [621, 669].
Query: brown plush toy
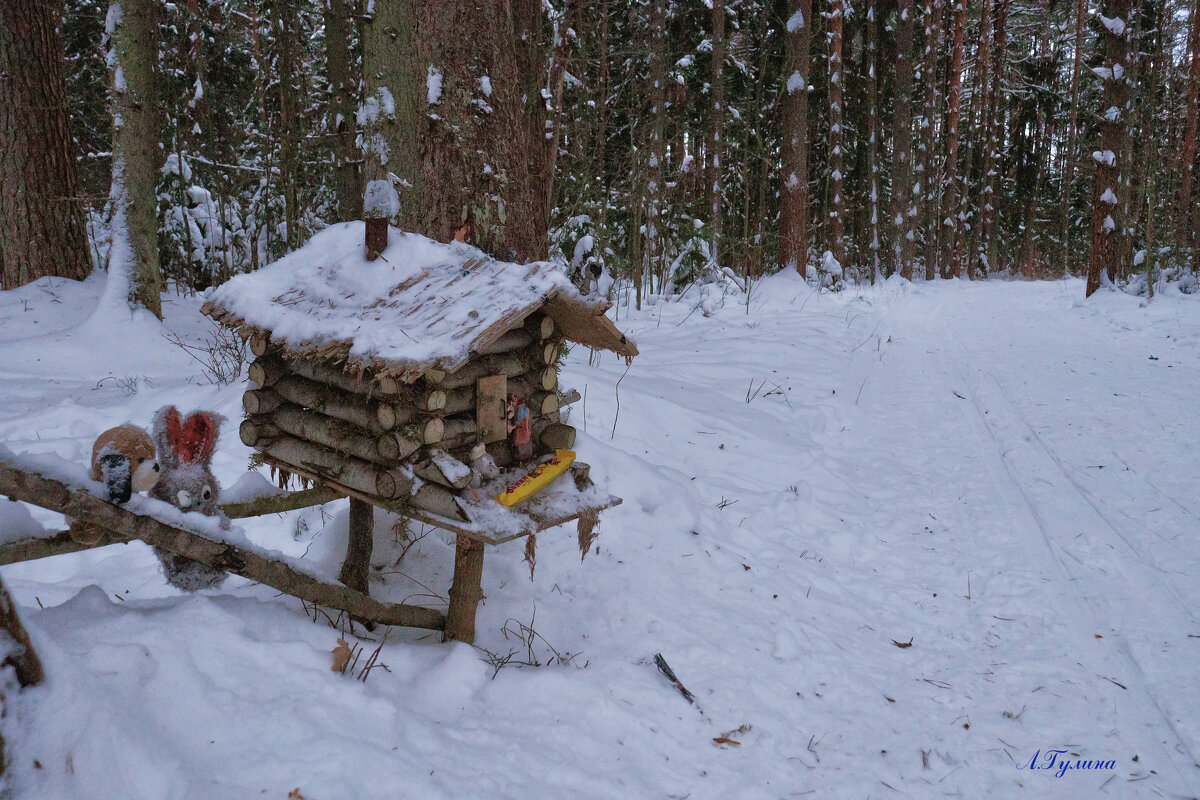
[123, 460]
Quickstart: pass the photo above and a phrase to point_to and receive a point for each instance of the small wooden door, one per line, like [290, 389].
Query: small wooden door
[491, 403]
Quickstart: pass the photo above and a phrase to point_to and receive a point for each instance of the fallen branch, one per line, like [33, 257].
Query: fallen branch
[665, 669]
[61, 542]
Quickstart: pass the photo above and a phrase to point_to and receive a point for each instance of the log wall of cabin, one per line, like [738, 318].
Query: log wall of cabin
[361, 431]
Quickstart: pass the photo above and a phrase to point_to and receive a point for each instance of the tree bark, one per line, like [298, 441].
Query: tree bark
[1070, 146]
[977, 185]
[136, 155]
[950, 181]
[563, 33]
[286, 22]
[931, 223]
[41, 216]
[904, 209]
[837, 211]
[393, 70]
[793, 215]
[1106, 216]
[997, 133]
[655, 186]
[482, 142]
[341, 122]
[871, 37]
[1186, 231]
[991, 156]
[716, 186]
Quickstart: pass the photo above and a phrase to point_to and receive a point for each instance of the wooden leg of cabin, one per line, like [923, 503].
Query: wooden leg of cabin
[466, 590]
[18, 651]
[356, 568]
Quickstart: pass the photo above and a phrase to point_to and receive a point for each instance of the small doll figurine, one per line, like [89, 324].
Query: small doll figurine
[483, 466]
[518, 426]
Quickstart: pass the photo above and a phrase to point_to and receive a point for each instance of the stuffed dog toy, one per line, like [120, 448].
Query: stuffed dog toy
[123, 460]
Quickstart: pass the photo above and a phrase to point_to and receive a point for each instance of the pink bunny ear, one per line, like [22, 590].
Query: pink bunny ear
[194, 440]
[174, 429]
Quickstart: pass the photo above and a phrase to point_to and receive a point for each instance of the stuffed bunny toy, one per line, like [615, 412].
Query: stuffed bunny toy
[185, 450]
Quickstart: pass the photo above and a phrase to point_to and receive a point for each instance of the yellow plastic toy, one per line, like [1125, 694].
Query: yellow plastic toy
[537, 478]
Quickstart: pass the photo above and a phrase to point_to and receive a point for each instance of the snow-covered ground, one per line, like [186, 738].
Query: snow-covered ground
[1000, 477]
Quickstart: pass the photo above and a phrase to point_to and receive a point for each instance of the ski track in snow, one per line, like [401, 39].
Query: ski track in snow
[998, 473]
[1102, 557]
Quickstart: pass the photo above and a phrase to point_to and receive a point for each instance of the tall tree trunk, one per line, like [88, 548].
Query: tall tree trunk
[658, 95]
[396, 95]
[41, 216]
[718, 123]
[1028, 189]
[871, 37]
[904, 207]
[1186, 230]
[968, 240]
[837, 212]
[1154, 49]
[954, 214]
[136, 156]
[289, 100]
[1106, 222]
[793, 214]
[1070, 147]
[563, 33]
[480, 143]
[927, 169]
[602, 122]
[265, 219]
[988, 242]
[341, 121]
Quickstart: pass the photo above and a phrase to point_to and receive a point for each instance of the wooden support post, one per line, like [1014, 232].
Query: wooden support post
[19, 653]
[377, 236]
[356, 568]
[466, 590]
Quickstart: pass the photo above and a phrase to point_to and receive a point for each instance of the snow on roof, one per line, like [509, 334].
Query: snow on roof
[421, 305]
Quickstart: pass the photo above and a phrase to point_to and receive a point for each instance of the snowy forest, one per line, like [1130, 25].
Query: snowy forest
[954, 138]
[513, 399]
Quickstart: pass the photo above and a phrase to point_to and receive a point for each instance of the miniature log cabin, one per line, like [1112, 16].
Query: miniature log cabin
[419, 382]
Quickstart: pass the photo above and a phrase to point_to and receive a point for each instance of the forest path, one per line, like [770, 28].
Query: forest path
[1051, 401]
